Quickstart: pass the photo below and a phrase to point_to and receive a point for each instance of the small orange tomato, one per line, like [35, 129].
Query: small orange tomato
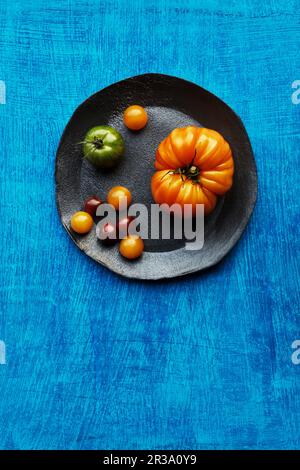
[81, 222]
[131, 247]
[118, 195]
[135, 117]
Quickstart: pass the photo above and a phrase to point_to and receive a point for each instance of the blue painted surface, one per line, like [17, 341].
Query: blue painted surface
[97, 361]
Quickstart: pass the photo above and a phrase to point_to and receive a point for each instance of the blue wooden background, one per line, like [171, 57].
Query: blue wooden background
[97, 361]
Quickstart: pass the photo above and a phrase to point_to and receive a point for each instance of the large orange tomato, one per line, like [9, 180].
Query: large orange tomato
[195, 165]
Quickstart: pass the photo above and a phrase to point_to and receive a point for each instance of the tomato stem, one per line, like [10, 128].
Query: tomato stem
[97, 142]
[190, 172]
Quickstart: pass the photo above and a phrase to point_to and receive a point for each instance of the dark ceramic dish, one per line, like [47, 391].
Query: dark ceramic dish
[170, 102]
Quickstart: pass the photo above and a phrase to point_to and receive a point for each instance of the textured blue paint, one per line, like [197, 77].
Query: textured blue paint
[94, 360]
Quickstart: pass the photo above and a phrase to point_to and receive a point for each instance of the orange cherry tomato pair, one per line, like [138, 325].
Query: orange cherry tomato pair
[82, 221]
[194, 166]
[132, 246]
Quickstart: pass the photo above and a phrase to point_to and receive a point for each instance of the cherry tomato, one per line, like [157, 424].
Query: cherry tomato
[117, 194]
[135, 117]
[81, 222]
[131, 247]
[107, 233]
[123, 226]
[91, 204]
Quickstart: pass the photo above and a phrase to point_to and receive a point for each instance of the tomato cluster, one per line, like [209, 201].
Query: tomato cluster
[103, 146]
[194, 165]
[131, 246]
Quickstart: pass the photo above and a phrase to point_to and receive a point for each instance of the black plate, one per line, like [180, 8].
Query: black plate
[170, 102]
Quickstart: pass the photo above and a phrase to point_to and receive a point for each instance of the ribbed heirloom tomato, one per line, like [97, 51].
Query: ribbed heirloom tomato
[195, 165]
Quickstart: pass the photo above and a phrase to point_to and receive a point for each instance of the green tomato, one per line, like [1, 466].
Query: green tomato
[103, 146]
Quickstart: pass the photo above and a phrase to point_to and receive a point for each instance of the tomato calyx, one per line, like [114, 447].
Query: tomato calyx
[189, 172]
[97, 142]
[192, 173]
